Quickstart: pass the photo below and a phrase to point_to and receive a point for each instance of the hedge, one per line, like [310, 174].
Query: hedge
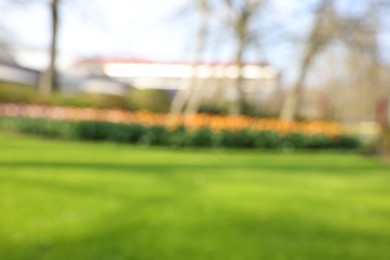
[178, 137]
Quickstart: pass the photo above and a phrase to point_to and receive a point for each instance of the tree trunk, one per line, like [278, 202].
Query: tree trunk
[180, 99]
[195, 98]
[189, 92]
[235, 106]
[320, 35]
[292, 103]
[48, 80]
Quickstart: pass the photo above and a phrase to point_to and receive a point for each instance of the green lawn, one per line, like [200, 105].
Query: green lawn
[69, 200]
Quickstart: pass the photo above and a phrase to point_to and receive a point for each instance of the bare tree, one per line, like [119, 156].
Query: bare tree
[236, 17]
[362, 40]
[358, 34]
[321, 34]
[187, 99]
[240, 16]
[48, 80]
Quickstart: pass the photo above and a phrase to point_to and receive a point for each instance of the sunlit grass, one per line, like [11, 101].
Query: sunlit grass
[64, 200]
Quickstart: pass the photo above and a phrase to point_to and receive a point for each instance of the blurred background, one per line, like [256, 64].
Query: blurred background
[304, 84]
[305, 60]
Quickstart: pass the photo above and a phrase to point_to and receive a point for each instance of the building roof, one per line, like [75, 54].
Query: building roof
[125, 67]
[136, 60]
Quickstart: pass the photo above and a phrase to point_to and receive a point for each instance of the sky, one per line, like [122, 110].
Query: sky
[149, 29]
[112, 27]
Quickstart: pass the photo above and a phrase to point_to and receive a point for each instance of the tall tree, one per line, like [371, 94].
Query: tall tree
[187, 99]
[240, 17]
[48, 80]
[321, 34]
[357, 32]
[236, 17]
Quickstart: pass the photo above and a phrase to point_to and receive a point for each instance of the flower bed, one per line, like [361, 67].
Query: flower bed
[214, 122]
[158, 129]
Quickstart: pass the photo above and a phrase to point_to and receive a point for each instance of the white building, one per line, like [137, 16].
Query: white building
[145, 74]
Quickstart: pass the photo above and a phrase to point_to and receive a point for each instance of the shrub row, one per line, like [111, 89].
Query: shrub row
[178, 137]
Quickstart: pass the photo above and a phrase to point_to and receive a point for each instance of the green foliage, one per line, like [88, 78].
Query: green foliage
[41, 127]
[386, 140]
[130, 133]
[294, 141]
[90, 130]
[245, 139]
[267, 139]
[120, 133]
[15, 93]
[155, 135]
[227, 139]
[318, 141]
[346, 142]
[179, 137]
[88, 100]
[150, 99]
[202, 137]
[240, 139]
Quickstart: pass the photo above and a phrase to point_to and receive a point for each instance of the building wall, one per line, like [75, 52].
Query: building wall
[18, 75]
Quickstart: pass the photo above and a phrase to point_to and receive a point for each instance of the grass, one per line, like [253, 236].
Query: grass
[69, 200]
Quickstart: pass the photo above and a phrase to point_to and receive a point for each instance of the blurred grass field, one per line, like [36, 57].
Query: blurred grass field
[70, 200]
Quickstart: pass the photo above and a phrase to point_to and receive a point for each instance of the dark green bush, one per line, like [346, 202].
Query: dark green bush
[346, 142]
[155, 135]
[267, 139]
[241, 139]
[245, 139]
[125, 133]
[226, 138]
[318, 141]
[177, 137]
[202, 137]
[295, 141]
[91, 130]
[119, 133]
[50, 128]
[42, 127]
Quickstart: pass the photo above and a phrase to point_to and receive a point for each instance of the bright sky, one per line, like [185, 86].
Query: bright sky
[151, 29]
[114, 27]
[145, 29]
